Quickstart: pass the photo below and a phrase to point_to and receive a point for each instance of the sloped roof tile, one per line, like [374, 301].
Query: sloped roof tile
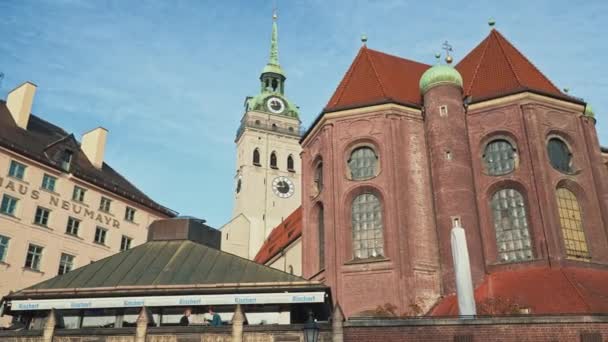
[543, 290]
[495, 67]
[376, 77]
[281, 237]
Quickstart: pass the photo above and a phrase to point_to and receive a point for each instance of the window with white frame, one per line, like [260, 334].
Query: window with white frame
[33, 257]
[78, 194]
[72, 226]
[125, 243]
[16, 170]
[100, 235]
[41, 217]
[367, 226]
[66, 263]
[48, 182]
[3, 247]
[8, 205]
[130, 214]
[105, 204]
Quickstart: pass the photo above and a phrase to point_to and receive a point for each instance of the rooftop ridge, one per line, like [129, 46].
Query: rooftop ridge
[504, 39]
[371, 62]
[497, 36]
[345, 80]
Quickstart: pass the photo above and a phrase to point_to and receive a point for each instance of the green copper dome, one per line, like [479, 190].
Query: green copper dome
[589, 111]
[439, 74]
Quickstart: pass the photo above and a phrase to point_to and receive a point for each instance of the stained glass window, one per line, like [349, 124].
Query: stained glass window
[511, 226]
[559, 155]
[499, 157]
[363, 163]
[571, 221]
[368, 240]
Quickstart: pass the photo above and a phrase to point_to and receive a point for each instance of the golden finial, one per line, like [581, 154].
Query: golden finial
[448, 48]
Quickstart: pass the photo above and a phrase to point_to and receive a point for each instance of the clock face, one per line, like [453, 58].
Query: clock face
[282, 187]
[275, 105]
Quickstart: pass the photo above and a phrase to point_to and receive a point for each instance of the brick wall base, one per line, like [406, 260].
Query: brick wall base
[520, 329]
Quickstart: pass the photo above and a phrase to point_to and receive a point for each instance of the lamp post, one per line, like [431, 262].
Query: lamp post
[311, 329]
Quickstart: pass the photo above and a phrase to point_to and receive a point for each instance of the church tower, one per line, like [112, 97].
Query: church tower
[267, 180]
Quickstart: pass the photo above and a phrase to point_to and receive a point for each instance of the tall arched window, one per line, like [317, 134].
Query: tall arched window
[273, 160]
[368, 240]
[319, 176]
[511, 226]
[363, 163]
[571, 221]
[256, 157]
[321, 231]
[290, 163]
[499, 157]
[559, 155]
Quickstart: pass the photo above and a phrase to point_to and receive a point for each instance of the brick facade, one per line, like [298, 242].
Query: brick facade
[431, 171]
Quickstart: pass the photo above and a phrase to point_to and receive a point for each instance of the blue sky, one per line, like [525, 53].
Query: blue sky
[168, 78]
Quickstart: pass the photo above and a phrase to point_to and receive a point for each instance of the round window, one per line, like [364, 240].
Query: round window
[559, 155]
[499, 157]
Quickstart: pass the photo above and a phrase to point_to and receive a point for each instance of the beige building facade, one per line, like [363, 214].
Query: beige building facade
[267, 179]
[61, 206]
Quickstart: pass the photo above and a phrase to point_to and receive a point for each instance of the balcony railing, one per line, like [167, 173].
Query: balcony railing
[290, 130]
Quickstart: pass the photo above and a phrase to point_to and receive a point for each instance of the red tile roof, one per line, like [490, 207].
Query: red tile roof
[542, 290]
[376, 77]
[494, 68]
[281, 237]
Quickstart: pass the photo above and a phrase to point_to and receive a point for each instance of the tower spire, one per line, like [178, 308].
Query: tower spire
[274, 40]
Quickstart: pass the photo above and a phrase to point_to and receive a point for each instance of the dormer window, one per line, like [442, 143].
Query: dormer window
[66, 160]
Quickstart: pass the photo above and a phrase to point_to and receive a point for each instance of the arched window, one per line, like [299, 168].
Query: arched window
[499, 157]
[571, 221]
[321, 231]
[238, 186]
[273, 160]
[256, 157]
[363, 163]
[290, 269]
[368, 241]
[511, 226]
[319, 176]
[559, 155]
[290, 163]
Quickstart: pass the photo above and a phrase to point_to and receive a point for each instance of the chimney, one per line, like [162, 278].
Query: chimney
[94, 145]
[19, 102]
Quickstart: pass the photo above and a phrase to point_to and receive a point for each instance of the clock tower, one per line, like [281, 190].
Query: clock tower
[267, 179]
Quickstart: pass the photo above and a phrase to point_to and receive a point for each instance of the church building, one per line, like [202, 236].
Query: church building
[267, 179]
[403, 151]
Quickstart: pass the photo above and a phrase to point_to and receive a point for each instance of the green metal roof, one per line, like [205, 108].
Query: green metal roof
[167, 263]
[589, 111]
[439, 74]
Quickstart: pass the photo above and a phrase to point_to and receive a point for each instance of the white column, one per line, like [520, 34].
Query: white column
[462, 271]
